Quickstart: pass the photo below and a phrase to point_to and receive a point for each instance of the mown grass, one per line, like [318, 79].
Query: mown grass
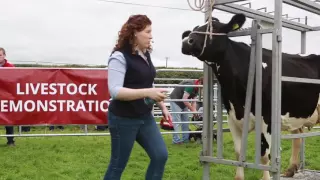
[86, 158]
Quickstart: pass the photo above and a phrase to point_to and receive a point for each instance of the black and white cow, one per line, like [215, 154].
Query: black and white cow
[230, 63]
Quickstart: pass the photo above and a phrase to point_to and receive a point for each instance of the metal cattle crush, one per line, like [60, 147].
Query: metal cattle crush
[275, 22]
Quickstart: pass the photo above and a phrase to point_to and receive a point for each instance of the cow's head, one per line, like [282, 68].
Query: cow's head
[198, 43]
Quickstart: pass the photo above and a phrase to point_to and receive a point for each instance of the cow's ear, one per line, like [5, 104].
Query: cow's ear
[235, 23]
[185, 34]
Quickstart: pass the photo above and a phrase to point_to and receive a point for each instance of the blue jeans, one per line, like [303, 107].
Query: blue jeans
[10, 131]
[179, 118]
[124, 132]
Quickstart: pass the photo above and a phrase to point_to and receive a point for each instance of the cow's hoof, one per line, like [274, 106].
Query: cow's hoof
[288, 174]
[290, 171]
[238, 178]
[264, 178]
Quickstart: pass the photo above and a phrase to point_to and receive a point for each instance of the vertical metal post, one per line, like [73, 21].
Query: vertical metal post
[303, 42]
[248, 101]
[276, 91]
[306, 20]
[86, 128]
[207, 132]
[302, 147]
[200, 93]
[219, 123]
[215, 96]
[258, 96]
[167, 62]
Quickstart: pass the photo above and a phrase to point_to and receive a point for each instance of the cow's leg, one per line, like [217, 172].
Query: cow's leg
[236, 136]
[294, 160]
[265, 149]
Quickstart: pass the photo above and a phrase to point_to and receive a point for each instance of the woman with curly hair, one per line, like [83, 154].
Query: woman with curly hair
[130, 81]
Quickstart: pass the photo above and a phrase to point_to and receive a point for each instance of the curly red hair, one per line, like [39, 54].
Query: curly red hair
[126, 34]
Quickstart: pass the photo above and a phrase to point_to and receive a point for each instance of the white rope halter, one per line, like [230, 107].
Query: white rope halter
[206, 38]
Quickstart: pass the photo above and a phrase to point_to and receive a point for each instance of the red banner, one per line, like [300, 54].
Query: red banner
[31, 96]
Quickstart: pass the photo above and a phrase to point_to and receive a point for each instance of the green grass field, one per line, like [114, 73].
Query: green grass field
[86, 158]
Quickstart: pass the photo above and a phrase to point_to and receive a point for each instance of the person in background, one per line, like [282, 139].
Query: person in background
[3, 64]
[184, 93]
[130, 81]
[101, 128]
[25, 128]
[51, 128]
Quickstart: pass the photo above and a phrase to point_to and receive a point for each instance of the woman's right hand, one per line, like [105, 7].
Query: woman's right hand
[157, 94]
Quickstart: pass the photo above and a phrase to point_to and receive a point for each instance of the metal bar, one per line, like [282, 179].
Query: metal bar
[248, 3]
[176, 85]
[265, 31]
[181, 100]
[220, 124]
[294, 19]
[234, 163]
[20, 130]
[305, 5]
[303, 42]
[207, 108]
[99, 134]
[186, 122]
[86, 134]
[221, 2]
[86, 129]
[192, 122]
[248, 32]
[317, 28]
[61, 68]
[251, 13]
[264, 8]
[276, 91]
[172, 79]
[270, 17]
[214, 131]
[180, 70]
[303, 140]
[258, 98]
[181, 132]
[252, 16]
[187, 112]
[223, 130]
[300, 80]
[249, 92]
[306, 20]
[200, 95]
[301, 135]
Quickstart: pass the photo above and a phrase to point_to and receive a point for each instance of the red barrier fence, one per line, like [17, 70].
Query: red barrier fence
[31, 96]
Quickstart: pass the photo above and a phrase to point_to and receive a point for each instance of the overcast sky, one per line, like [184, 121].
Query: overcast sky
[84, 31]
